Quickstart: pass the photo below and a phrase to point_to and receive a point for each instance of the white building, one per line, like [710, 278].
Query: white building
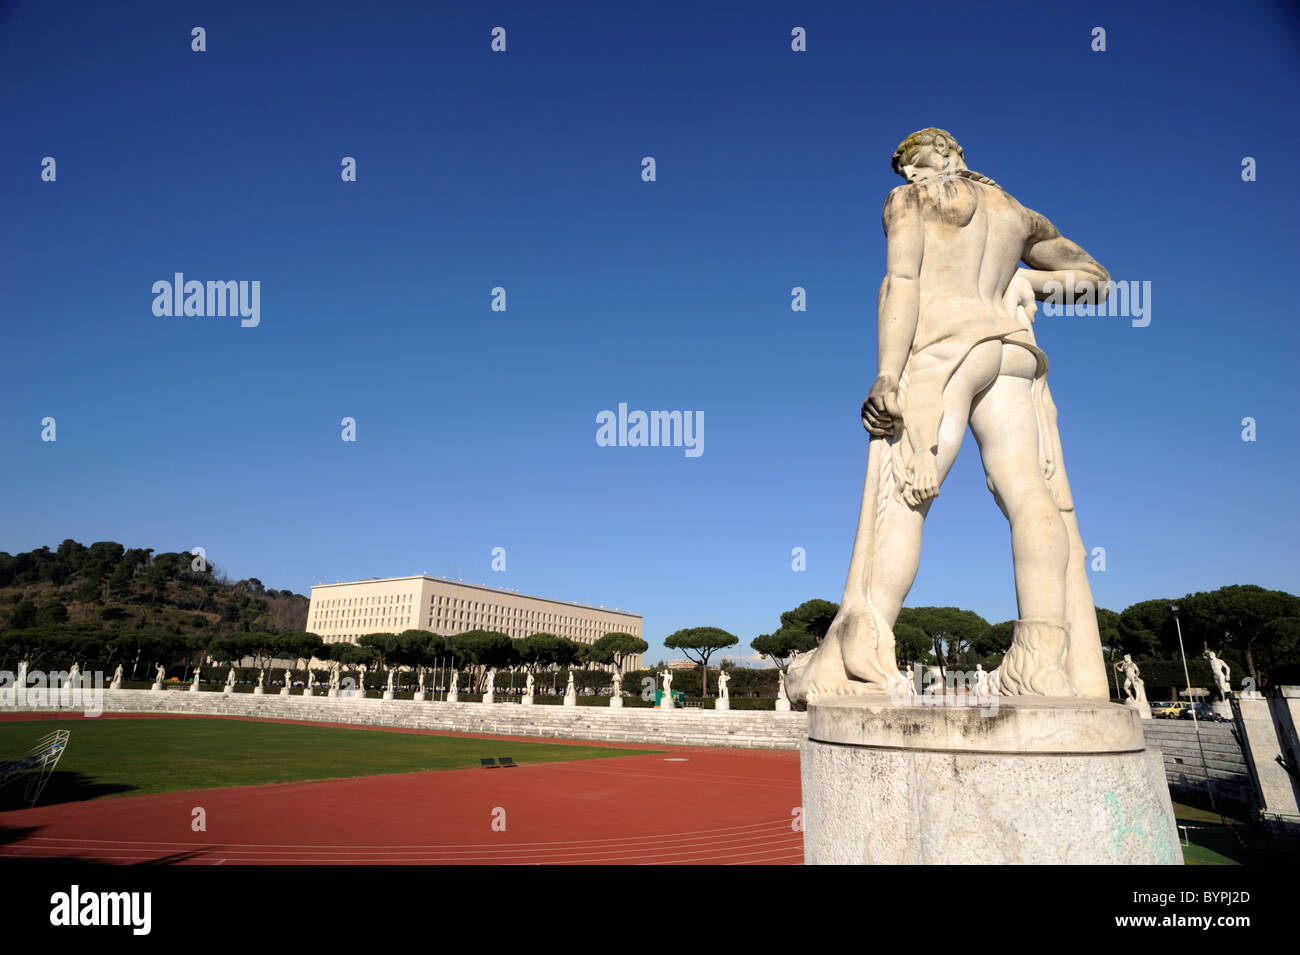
[347, 611]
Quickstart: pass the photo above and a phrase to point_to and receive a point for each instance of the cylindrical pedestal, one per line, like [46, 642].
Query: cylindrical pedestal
[419, 696]
[284, 691]
[388, 694]
[1222, 708]
[156, 688]
[570, 700]
[783, 706]
[489, 697]
[453, 696]
[194, 686]
[1026, 781]
[721, 704]
[258, 691]
[527, 700]
[616, 701]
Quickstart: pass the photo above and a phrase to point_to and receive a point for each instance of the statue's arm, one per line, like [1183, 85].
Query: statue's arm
[897, 309]
[1055, 261]
[898, 304]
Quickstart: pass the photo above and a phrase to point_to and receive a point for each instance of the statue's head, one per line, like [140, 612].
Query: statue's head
[927, 154]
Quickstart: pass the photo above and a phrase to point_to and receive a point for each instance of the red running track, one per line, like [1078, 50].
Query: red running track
[683, 806]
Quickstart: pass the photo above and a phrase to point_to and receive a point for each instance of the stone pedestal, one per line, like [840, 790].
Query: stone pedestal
[616, 702]
[284, 691]
[258, 691]
[570, 700]
[453, 696]
[1028, 781]
[721, 704]
[419, 696]
[1222, 708]
[783, 706]
[1142, 707]
[156, 688]
[333, 692]
[194, 685]
[526, 700]
[115, 685]
[489, 697]
[388, 694]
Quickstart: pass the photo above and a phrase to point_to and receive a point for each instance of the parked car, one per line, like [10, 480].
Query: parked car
[1169, 709]
[1203, 712]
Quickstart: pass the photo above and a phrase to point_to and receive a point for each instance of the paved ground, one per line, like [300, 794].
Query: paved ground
[683, 806]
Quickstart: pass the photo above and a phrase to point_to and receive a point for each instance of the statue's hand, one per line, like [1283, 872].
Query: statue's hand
[881, 414]
[922, 478]
[1020, 293]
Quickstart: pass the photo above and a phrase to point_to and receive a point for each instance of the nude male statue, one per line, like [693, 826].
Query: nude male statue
[956, 348]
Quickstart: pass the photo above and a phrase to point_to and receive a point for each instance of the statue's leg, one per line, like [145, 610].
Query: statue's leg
[1005, 425]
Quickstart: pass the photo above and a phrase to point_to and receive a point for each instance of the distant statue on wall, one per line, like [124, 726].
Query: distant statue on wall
[981, 680]
[570, 690]
[390, 680]
[420, 682]
[74, 675]
[668, 682]
[22, 674]
[311, 683]
[261, 678]
[288, 678]
[723, 680]
[491, 686]
[1222, 674]
[161, 674]
[1134, 686]
[455, 680]
[780, 685]
[117, 678]
[616, 689]
[230, 678]
[528, 685]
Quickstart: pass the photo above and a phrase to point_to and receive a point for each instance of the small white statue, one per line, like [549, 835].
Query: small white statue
[311, 683]
[780, 685]
[117, 678]
[230, 677]
[74, 675]
[981, 680]
[570, 690]
[22, 674]
[491, 683]
[335, 678]
[617, 688]
[1134, 686]
[668, 682]
[723, 680]
[261, 678]
[528, 684]
[161, 674]
[390, 681]
[455, 680]
[420, 683]
[288, 678]
[1222, 673]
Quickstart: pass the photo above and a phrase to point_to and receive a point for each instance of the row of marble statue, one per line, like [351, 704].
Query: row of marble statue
[1135, 692]
[489, 690]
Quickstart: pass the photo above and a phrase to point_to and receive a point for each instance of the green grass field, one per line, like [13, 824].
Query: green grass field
[132, 757]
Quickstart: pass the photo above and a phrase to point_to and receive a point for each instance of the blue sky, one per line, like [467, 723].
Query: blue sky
[476, 429]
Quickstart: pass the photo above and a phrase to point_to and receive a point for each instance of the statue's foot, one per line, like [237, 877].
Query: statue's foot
[1035, 664]
[815, 674]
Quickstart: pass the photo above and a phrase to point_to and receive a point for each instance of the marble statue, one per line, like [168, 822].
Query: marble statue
[981, 676]
[491, 683]
[1134, 686]
[956, 348]
[455, 679]
[230, 679]
[161, 674]
[668, 682]
[117, 679]
[723, 680]
[780, 686]
[74, 675]
[194, 679]
[311, 683]
[261, 678]
[1222, 674]
[21, 679]
[528, 685]
[616, 685]
[420, 681]
[336, 678]
[570, 689]
[390, 681]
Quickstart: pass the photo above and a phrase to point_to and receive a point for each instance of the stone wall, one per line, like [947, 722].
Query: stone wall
[684, 727]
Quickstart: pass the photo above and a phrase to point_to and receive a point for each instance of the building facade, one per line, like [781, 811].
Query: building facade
[348, 611]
